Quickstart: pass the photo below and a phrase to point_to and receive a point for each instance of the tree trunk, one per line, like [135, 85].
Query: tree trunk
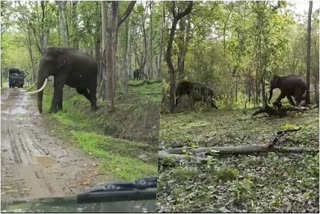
[145, 45]
[62, 22]
[74, 24]
[128, 57]
[181, 46]
[161, 41]
[110, 14]
[150, 61]
[103, 84]
[33, 75]
[176, 18]
[309, 53]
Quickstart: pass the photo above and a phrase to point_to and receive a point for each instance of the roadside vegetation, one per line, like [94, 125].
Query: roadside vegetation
[125, 142]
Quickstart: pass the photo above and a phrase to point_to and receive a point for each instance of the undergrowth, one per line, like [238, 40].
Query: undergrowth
[273, 182]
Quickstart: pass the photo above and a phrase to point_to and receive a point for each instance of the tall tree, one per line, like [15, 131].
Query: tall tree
[309, 52]
[63, 23]
[161, 41]
[112, 21]
[176, 17]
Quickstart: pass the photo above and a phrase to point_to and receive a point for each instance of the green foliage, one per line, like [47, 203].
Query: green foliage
[227, 174]
[183, 174]
[243, 191]
[236, 47]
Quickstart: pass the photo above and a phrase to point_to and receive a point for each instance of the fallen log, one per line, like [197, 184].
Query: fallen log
[202, 153]
[279, 111]
[247, 149]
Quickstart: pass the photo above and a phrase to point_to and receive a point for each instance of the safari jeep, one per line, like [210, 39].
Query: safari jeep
[16, 78]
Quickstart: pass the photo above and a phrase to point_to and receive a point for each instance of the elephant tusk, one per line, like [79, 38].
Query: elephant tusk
[37, 91]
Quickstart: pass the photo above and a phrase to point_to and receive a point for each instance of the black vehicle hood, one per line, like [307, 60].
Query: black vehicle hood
[69, 204]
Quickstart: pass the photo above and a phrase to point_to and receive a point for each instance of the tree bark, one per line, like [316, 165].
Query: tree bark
[110, 33]
[184, 26]
[74, 24]
[161, 41]
[309, 52]
[33, 75]
[150, 66]
[112, 15]
[62, 22]
[128, 57]
[145, 45]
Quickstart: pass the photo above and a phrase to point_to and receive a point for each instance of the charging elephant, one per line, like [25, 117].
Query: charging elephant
[195, 91]
[69, 67]
[289, 86]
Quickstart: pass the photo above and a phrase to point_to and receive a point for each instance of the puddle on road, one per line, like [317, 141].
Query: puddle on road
[44, 161]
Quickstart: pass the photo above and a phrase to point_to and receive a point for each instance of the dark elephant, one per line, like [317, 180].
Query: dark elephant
[195, 91]
[137, 75]
[69, 67]
[290, 86]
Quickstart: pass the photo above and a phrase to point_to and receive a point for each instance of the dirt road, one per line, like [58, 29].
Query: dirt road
[35, 163]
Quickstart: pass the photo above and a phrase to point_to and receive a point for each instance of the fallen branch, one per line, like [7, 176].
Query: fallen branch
[247, 149]
[202, 153]
[280, 111]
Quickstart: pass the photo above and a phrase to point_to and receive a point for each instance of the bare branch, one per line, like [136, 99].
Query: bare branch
[185, 12]
[173, 9]
[127, 13]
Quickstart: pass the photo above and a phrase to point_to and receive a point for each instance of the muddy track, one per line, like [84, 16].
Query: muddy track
[34, 162]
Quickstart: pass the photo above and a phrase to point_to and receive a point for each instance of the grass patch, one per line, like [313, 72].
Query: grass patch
[125, 142]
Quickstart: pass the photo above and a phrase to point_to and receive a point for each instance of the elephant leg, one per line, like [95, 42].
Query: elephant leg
[177, 100]
[93, 98]
[56, 103]
[60, 104]
[290, 100]
[298, 96]
[84, 92]
[278, 100]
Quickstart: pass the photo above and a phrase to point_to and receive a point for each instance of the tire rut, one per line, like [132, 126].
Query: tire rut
[36, 164]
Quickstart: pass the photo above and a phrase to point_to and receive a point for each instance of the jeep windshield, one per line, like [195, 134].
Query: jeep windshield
[137, 196]
[15, 71]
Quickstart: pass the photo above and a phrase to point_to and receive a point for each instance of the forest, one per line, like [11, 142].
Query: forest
[29, 28]
[226, 145]
[236, 48]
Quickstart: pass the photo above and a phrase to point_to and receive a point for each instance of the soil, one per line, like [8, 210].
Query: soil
[35, 163]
